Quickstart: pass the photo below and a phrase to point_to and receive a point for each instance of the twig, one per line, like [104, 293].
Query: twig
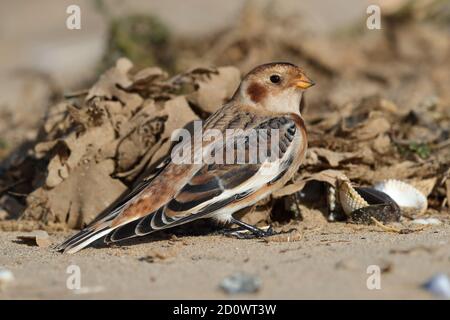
[12, 185]
[396, 230]
[385, 228]
[76, 94]
[441, 145]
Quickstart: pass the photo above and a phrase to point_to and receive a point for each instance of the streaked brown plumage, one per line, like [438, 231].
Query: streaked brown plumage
[269, 97]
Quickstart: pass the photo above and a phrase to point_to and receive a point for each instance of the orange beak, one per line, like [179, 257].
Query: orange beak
[303, 82]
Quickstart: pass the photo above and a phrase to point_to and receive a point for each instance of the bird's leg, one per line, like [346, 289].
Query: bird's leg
[235, 231]
[231, 231]
[255, 232]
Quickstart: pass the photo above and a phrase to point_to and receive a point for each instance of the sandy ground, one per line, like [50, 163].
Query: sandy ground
[329, 262]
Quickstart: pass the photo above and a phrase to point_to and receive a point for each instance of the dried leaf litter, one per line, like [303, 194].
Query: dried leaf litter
[94, 147]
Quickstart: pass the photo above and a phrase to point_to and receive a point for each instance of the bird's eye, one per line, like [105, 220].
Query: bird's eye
[275, 78]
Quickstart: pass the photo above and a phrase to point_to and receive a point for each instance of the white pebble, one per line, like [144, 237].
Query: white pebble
[439, 285]
[6, 277]
[241, 283]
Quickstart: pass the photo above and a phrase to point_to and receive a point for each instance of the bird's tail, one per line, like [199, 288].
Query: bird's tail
[104, 224]
[85, 237]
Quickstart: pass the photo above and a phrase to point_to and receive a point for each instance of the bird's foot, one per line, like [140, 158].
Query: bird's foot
[245, 233]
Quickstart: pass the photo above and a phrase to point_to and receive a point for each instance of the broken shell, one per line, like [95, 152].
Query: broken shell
[349, 198]
[362, 204]
[410, 200]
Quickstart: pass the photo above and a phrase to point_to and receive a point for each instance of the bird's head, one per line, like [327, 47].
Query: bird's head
[277, 87]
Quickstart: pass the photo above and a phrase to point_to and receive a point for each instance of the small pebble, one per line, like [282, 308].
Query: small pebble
[6, 277]
[439, 285]
[39, 237]
[240, 283]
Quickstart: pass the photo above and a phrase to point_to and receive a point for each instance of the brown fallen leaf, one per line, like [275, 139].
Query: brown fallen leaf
[107, 85]
[382, 144]
[374, 126]
[329, 176]
[425, 186]
[73, 148]
[333, 158]
[213, 92]
[80, 198]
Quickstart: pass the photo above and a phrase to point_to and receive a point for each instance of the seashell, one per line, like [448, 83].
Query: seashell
[410, 200]
[361, 204]
[349, 198]
[384, 212]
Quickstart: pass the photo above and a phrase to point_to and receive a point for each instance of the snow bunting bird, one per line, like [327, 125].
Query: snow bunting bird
[269, 98]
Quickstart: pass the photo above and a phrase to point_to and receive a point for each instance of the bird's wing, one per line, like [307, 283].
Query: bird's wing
[194, 191]
[216, 186]
[125, 199]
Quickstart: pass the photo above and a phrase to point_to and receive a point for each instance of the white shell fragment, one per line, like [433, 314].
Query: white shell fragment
[409, 199]
[428, 221]
[6, 277]
[439, 285]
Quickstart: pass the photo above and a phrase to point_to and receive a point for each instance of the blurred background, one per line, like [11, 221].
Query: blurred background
[40, 58]
[34, 34]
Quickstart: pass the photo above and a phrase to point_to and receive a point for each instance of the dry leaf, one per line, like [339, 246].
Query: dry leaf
[80, 198]
[328, 176]
[425, 186]
[333, 158]
[370, 129]
[107, 85]
[215, 91]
